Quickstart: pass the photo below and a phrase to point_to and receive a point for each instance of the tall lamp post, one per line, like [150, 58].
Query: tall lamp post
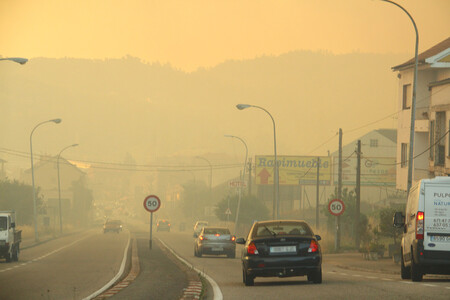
[413, 102]
[210, 175]
[59, 187]
[243, 179]
[276, 198]
[19, 60]
[57, 121]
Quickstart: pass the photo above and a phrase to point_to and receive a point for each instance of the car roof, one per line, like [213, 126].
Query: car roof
[280, 222]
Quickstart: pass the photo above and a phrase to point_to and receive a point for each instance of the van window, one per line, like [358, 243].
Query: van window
[3, 223]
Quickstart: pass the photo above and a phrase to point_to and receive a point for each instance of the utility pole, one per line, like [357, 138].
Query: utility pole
[249, 176]
[317, 195]
[337, 241]
[358, 195]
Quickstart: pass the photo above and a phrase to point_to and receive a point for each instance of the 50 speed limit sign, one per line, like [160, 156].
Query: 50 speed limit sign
[152, 203]
[336, 207]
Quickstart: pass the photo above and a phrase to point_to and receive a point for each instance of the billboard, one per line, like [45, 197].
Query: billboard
[375, 171]
[293, 170]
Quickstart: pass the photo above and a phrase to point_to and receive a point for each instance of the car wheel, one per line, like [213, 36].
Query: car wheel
[405, 272]
[249, 280]
[315, 276]
[15, 255]
[9, 257]
[416, 273]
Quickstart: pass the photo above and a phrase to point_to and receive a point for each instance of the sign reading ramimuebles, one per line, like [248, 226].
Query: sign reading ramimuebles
[293, 170]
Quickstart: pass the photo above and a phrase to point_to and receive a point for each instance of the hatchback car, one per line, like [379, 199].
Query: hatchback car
[281, 248]
[215, 241]
[112, 225]
[163, 225]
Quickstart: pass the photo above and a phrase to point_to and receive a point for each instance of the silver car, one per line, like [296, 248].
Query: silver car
[215, 241]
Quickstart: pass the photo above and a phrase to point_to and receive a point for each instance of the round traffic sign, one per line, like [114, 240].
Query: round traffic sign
[152, 203]
[336, 207]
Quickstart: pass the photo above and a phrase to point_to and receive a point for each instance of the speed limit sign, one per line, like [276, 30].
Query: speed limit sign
[336, 207]
[152, 203]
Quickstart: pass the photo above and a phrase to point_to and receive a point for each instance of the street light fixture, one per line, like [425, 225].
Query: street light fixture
[276, 198]
[59, 188]
[243, 180]
[56, 121]
[19, 60]
[413, 102]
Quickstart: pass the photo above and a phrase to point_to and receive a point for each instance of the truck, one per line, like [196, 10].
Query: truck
[10, 237]
[425, 246]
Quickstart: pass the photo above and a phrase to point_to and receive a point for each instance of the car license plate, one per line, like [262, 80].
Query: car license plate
[439, 238]
[283, 249]
[217, 249]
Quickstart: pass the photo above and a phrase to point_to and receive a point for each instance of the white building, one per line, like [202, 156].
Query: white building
[432, 115]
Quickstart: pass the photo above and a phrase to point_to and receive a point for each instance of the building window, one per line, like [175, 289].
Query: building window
[404, 155]
[407, 96]
[431, 140]
[373, 143]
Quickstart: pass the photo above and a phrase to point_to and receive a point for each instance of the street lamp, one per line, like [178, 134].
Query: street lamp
[276, 198]
[243, 180]
[57, 121]
[210, 175]
[19, 60]
[59, 187]
[413, 102]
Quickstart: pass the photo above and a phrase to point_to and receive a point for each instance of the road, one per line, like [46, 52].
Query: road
[338, 283]
[71, 267]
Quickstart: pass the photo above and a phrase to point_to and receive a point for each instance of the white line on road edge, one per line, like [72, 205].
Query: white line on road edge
[118, 275]
[216, 290]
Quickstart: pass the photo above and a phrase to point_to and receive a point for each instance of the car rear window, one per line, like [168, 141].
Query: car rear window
[282, 229]
[216, 231]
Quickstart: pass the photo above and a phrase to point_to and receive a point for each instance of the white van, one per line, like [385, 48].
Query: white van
[425, 247]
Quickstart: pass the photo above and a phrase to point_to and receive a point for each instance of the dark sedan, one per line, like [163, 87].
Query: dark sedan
[281, 248]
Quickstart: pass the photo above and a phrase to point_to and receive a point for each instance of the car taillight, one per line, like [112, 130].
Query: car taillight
[251, 249]
[202, 237]
[217, 234]
[313, 247]
[420, 219]
[169, 224]
[233, 238]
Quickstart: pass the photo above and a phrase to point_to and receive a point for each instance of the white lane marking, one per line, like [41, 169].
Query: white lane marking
[448, 288]
[427, 284]
[371, 277]
[43, 256]
[356, 275]
[118, 275]
[386, 279]
[407, 282]
[216, 290]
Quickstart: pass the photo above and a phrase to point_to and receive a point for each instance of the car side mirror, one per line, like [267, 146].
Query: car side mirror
[318, 237]
[13, 225]
[398, 220]
[240, 241]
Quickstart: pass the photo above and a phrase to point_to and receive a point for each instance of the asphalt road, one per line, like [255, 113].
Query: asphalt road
[338, 282]
[71, 267]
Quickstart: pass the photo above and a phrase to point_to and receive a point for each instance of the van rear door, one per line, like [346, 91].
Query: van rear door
[437, 217]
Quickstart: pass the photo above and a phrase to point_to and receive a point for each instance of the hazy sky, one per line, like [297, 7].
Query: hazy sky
[203, 33]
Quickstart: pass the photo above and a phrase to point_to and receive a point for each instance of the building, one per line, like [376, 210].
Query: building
[432, 115]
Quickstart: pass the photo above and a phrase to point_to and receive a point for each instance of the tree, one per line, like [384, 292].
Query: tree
[386, 227]
[251, 209]
[348, 217]
[18, 196]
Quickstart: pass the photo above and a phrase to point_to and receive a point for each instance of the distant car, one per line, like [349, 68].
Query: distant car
[163, 225]
[112, 225]
[281, 248]
[198, 227]
[215, 241]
